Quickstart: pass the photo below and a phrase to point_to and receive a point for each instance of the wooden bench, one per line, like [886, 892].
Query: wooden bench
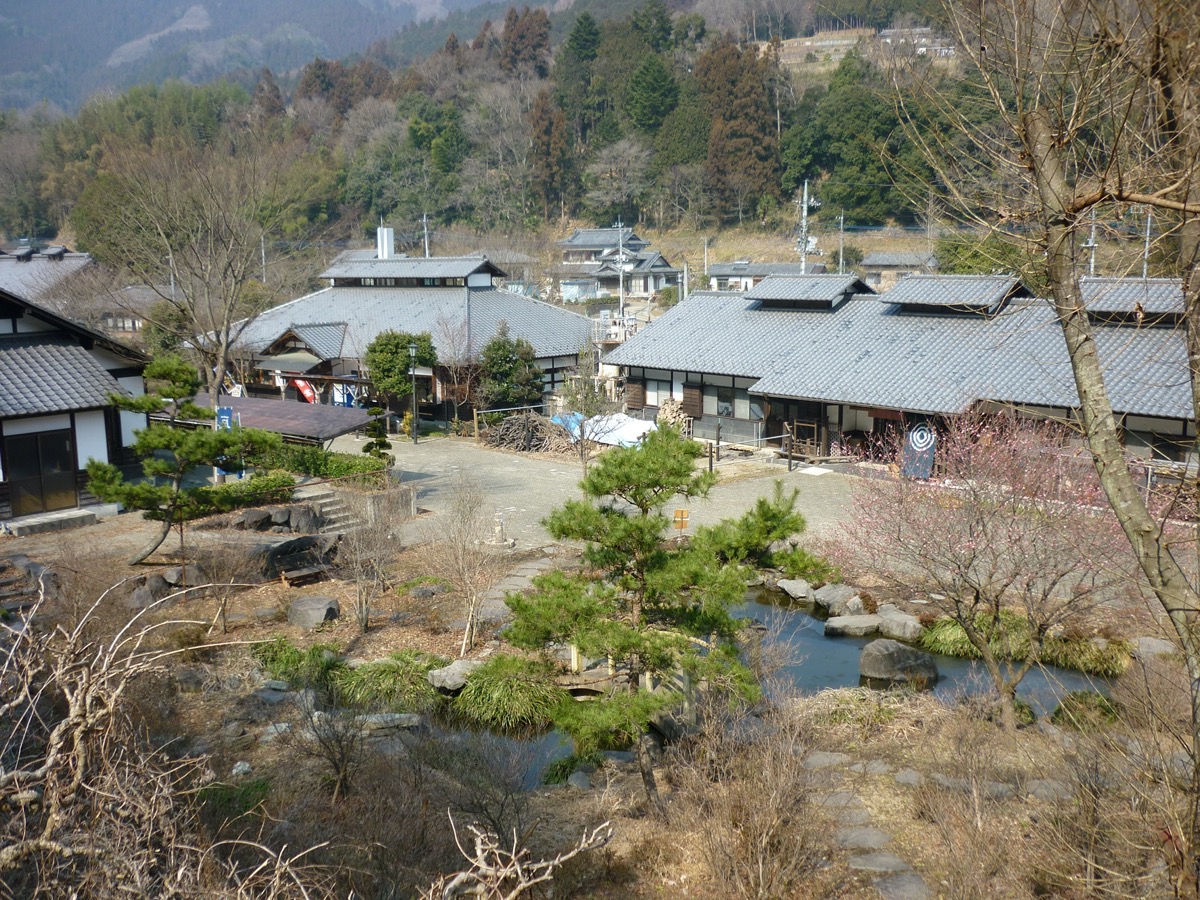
[305, 575]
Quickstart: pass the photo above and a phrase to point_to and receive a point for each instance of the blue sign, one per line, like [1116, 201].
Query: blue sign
[920, 446]
[225, 422]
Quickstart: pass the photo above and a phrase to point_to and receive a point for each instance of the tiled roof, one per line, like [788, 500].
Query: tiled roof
[1154, 296]
[310, 421]
[367, 311]
[601, 237]
[830, 289]
[875, 354]
[47, 373]
[365, 264]
[885, 259]
[757, 269]
[980, 292]
[39, 276]
[324, 338]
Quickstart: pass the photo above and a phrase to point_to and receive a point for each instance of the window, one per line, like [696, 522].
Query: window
[731, 403]
[657, 391]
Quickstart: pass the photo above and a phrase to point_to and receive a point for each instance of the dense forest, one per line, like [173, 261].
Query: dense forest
[654, 118]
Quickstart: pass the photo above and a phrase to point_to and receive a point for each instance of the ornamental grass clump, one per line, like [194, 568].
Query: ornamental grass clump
[511, 694]
[398, 683]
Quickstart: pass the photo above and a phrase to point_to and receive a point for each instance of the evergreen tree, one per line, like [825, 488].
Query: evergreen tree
[653, 22]
[525, 44]
[510, 376]
[268, 98]
[389, 364]
[583, 42]
[551, 152]
[170, 452]
[652, 93]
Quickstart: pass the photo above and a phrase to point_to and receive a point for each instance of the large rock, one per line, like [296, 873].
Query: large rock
[309, 612]
[797, 589]
[852, 626]
[836, 599]
[384, 724]
[304, 519]
[888, 660]
[280, 515]
[899, 625]
[255, 519]
[453, 678]
[310, 550]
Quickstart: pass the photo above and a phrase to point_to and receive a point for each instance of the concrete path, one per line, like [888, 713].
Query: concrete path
[523, 490]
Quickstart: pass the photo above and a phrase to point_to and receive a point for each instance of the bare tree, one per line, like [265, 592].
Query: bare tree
[1006, 531]
[92, 809]
[368, 545]
[505, 872]
[586, 395]
[194, 224]
[456, 357]
[1097, 106]
[463, 556]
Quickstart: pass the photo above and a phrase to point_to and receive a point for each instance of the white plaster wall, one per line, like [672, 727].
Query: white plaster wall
[91, 441]
[38, 423]
[129, 420]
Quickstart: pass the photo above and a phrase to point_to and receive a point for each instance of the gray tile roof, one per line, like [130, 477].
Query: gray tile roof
[324, 338]
[886, 259]
[309, 421]
[367, 311]
[364, 264]
[1155, 296]
[47, 373]
[586, 238]
[757, 269]
[981, 292]
[38, 277]
[830, 289]
[875, 354]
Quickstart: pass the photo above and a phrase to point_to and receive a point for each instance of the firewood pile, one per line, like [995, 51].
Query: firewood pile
[529, 433]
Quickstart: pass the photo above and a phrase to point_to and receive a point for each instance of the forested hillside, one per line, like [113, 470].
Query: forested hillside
[651, 117]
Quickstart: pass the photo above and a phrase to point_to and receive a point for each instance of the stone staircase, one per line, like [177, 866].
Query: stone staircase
[335, 515]
[19, 584]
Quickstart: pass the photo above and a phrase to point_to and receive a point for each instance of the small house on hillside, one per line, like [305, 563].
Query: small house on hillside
[609, 258]
[743, 274]
[882, 270]
[56, 380]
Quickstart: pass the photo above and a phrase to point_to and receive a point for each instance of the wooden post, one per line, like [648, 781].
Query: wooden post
[576, 660]
[475, 420]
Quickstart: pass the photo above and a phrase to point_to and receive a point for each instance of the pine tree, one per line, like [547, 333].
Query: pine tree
[652, 93]
[511, 377]
[550, 156]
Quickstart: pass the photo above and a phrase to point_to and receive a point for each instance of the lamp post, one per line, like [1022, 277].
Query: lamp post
[412, 358]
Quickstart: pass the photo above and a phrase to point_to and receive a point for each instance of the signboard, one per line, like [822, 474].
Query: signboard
[305, 389]
[226, 419]
[681, 519]
[920, 446]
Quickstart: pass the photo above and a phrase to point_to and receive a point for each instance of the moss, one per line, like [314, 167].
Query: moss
[1085, 711]
[222, 803]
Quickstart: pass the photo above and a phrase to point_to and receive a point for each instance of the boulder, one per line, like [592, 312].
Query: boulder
[310, 550]
[384, 724]
[888, 660]
[241, 769]
[797, 589]
[899, 625]
[304, 519]
[280, 515]
[580, 781]
[852, 626]
[255, 519]
[309, 612]
[453, 678]
[834, 598]
[1151, 646]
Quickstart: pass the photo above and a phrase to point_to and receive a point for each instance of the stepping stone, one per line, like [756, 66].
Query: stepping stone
[883, 863]
[910, 778]
[905, 886]
[839, 800]
[820, 759]
[851, 818]
[861, 838]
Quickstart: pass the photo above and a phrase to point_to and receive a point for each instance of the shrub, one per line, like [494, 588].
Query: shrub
[561, 769]
[259, 488]
[609, 723]
[318, 462]
[511, 693]
[1085, 711]
[222, 803]
[397, 683]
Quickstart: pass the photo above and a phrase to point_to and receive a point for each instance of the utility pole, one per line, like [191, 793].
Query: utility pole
[804, 231]
[1090, 247]
[1146, 249]
[842, 242]
[425, 223]
[262, 246]
[621, 272]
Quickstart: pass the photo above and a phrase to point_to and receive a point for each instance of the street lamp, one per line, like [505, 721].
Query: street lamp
[412, 358]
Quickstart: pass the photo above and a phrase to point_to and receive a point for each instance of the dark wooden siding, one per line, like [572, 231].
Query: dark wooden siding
[635, 393]
[693, 401]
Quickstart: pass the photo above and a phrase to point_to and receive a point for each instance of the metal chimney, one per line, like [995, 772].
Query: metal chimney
[385, 245]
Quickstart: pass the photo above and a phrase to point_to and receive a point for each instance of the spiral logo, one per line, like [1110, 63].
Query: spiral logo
[922, 438]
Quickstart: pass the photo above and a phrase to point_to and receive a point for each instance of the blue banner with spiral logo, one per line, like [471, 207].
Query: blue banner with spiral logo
[920, 447]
